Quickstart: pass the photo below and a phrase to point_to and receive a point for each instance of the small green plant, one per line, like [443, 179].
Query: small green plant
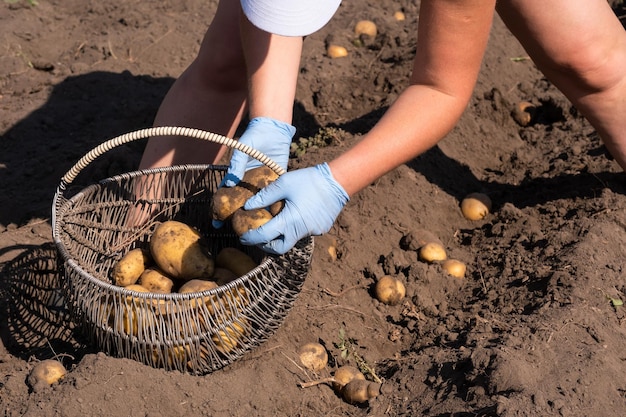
[349, 349]
[30, 2]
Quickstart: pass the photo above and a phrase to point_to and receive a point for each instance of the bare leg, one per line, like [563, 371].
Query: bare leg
[580, 46]
[209, 95]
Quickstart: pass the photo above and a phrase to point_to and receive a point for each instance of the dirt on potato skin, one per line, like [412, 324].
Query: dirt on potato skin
[535, 328]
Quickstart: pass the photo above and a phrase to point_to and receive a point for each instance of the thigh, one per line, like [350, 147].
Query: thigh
[221, 50]
[565, 35]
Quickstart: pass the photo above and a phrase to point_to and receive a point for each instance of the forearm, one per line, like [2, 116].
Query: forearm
[273, 64]
[413, 124]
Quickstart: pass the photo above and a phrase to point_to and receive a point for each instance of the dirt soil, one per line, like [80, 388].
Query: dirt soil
[536, 327]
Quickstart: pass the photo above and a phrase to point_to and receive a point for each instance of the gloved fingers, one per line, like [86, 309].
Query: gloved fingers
[236, 169]
[265, 197]
[217, 224]
[266, 233]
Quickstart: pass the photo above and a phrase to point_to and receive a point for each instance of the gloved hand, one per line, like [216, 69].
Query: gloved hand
[269, 136]
[313, 200]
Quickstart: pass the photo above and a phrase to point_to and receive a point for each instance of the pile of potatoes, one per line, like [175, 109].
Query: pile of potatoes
[227, 204]
[178, 260]
[347, 380]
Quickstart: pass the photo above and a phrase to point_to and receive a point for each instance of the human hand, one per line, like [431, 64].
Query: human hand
[269, 136]
[313, 200]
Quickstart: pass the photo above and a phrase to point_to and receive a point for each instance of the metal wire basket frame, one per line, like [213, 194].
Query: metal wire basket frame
[194, 333]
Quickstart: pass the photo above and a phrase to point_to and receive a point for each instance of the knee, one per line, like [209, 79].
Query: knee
[594, 66]
[218, 69]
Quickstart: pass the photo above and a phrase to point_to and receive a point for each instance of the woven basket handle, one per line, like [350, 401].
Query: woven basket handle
[71, 175]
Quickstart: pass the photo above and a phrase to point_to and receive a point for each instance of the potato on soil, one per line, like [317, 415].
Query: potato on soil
[345, 374]
[476, 206]
[244, 220]
[313, 356]
[523, 113]
[179, 251]
[154, 280]
[433, 252]
[127, 270]
[389, 290]
[235, 260]
[359, 391]
[454, 267]
[336, 51]
[415, 239]
[366, 27]
[45, 373]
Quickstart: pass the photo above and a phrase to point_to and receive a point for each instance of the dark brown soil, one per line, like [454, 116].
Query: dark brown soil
[535, 328]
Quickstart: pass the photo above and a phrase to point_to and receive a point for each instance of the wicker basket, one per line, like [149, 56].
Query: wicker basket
[194, 333]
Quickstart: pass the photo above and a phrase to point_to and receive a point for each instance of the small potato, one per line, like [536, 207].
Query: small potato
[359, 391]
[399, 16]
[235, 260]
[336, 51]
[313, 356]
[154, 280]
[524, 113]
[366, 27]
[476, 206]
[244, 220]
[127, 270]
[227, 200]
[45, 373]
[454, 267]
[389, 290]
[345, 374]
[180, 252]
[433, 252]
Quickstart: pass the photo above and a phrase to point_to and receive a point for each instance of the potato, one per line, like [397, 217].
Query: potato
[345, 374]
[365, 27]
[227, 200]
[359, 391]
[180, 252]
[524, 113]
[231, 336]
[417, 238]
[336, 51]
[223, 276]
[198, 285]
[476, 206]
[389, 290]
[235, 260]
[127, 270]
[399, 16]
[154, 280]
[45, 373]
[433, 252]
[454, 267]
[258, 178]
[131, 313]
[244, 220]
[172, 356]
[313, 356]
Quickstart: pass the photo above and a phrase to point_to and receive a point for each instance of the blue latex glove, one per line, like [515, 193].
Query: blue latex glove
[313, 200]
[269, 136]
